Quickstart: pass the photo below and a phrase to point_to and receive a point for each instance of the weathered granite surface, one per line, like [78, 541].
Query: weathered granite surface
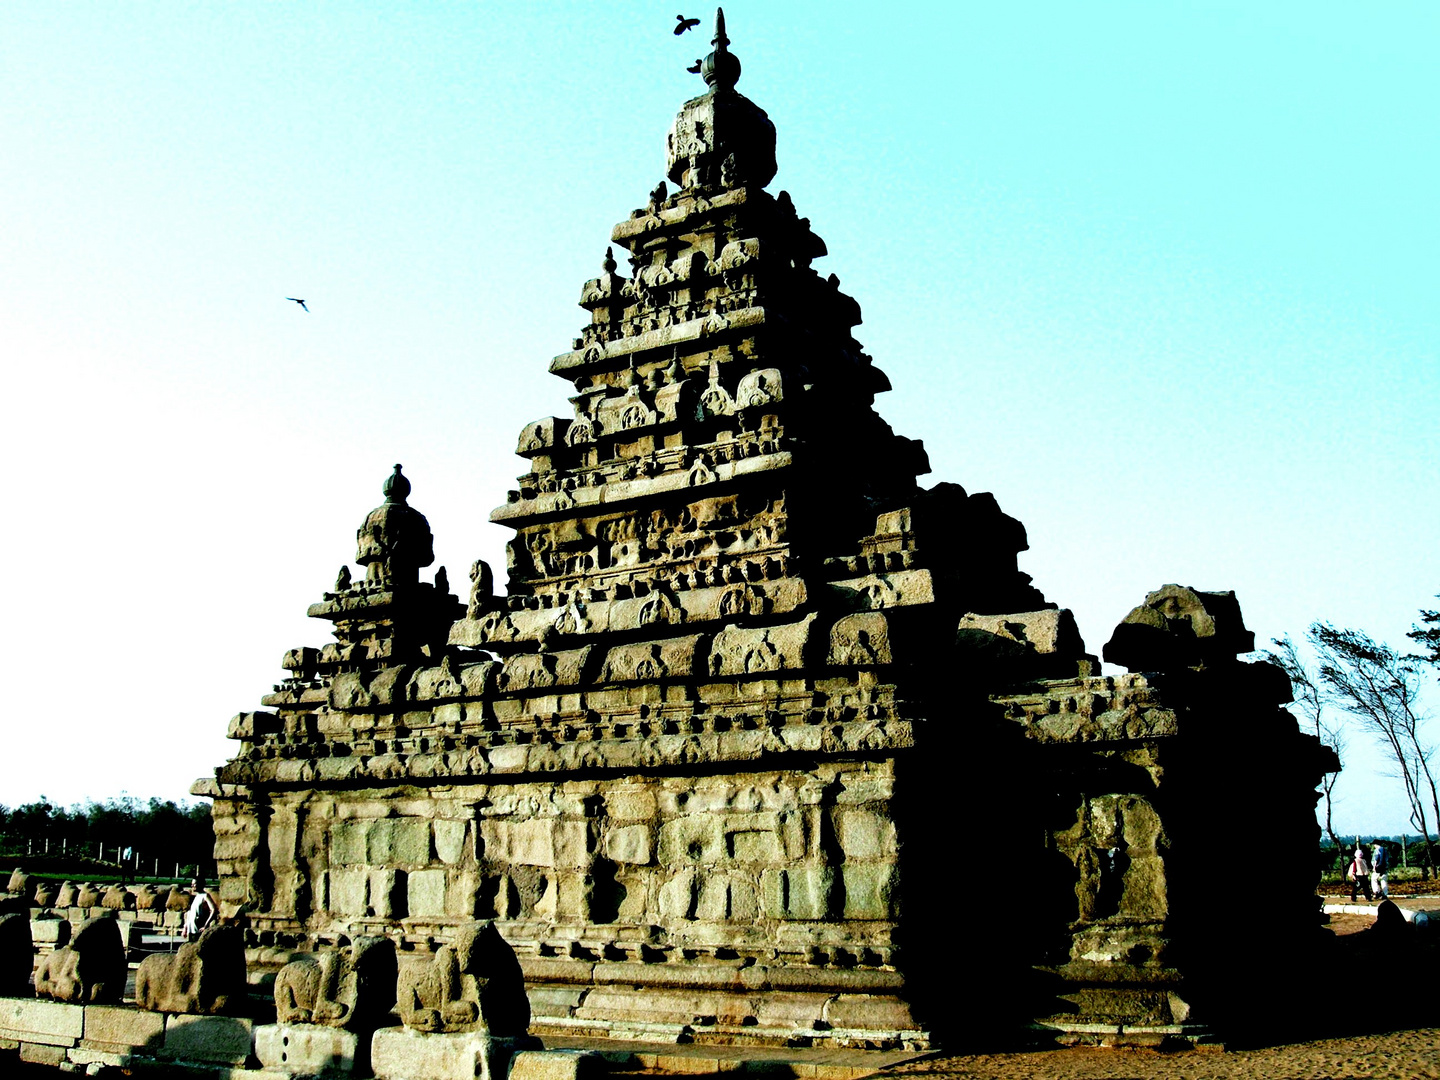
[755, 712]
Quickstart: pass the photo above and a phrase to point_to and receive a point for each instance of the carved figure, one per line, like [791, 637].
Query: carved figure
[351, 988]
[177, 899]
[67, 894]
[205, 977]
[91, 970]
[146, 898]
[19, 882]
[88, 896]
[46, 893]
[16, 956]
[118, 898]
[473, 984]
[395, 541]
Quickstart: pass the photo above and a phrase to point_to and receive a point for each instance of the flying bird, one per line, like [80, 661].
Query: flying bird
[685, 24]
[300, 302]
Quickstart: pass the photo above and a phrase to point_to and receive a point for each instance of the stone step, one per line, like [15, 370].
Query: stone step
[643, 1058]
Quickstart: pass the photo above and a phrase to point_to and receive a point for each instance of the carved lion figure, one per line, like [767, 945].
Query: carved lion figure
[473, 984]
[351, 987]
[90, 970]
[205, 977]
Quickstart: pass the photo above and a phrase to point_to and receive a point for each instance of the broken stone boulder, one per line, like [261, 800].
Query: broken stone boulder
[205, 977]
[1023, 646]
[1179, 627]
[351, 988]
[91, 970]
[473, 984]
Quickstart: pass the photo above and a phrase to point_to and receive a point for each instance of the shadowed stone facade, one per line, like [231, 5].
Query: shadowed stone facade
[758, 725]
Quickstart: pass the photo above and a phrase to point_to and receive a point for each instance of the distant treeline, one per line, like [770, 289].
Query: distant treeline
[115, 831]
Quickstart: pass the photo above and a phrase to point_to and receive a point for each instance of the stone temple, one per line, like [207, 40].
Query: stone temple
[762, 741]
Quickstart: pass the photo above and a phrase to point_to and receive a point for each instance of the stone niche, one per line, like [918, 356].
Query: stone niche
[761, 740]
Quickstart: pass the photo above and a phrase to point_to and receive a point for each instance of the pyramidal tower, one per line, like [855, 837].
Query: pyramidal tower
[759, 731]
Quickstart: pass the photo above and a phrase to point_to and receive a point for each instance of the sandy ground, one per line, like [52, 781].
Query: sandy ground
[1409, 1054]
[1412, 1053]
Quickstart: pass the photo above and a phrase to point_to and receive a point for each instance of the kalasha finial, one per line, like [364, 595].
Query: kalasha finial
[721, 68]
[609, 266]
[396, 487]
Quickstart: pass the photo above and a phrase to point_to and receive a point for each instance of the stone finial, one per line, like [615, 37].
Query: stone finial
[396, 486]
[722, 67]
[609, 266]
[1180, 627]
[721, 139]
[395, 541]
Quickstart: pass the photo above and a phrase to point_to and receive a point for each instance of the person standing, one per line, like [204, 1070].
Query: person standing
[1379, 865]
[202, 911]
[1359, 873]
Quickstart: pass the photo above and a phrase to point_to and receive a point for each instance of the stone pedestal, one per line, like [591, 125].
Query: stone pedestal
[221, 1040]
[311, 1049]
[402, 1054]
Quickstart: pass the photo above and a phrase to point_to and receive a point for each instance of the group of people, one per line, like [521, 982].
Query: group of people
[1367, 873]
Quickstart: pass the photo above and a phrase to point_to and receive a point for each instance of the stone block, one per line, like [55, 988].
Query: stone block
[425, 893]
[52, 932]
[629, 844]
[32, 1017]
[754, 846]
[526, 843]
[696, 838]
[42, 1054]
[866, 835]
[450, 841]
[869, 1013]
[308, 1049]
[554, 1000]
[347, 843]
[402, 1054]
[868, 890]
[349, 891]
[223, 1040]
[117, 1025]
[387, 893]
[555, 1065]
[804, 892]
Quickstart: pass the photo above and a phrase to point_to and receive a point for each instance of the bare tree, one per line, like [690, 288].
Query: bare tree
[1374, 683]
[1310, 703]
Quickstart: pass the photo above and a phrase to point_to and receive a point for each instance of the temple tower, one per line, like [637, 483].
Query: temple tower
[755, 715]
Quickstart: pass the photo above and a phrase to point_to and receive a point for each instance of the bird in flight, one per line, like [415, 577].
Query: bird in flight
[684, 24]
[300, 302]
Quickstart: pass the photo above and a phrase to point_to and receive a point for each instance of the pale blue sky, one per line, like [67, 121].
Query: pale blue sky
[1161, 276]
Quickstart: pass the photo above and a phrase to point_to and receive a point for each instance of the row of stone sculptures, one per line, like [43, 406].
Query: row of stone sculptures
[67, 894]
[472, 984]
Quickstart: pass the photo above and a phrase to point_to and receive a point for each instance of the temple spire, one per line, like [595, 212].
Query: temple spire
[721, 69]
